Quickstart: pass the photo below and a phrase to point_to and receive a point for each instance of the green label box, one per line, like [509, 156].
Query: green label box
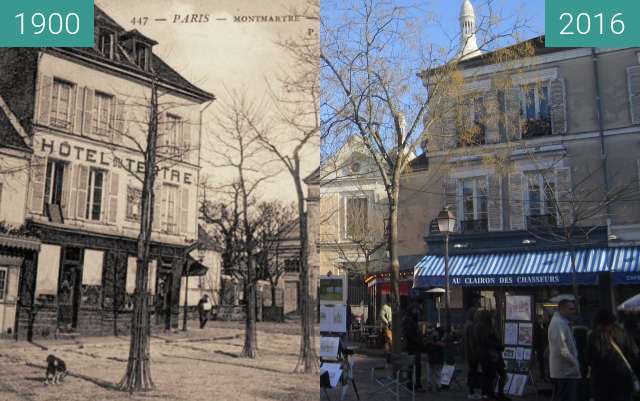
[592, 23]
[46, 23]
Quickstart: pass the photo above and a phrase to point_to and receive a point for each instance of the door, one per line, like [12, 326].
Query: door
[291, 296]
[163, 300]
[69, 284]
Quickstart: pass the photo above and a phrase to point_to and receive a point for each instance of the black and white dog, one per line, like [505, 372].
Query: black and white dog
[56, 370]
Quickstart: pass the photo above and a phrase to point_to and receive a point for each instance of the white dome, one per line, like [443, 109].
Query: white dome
[467, 9]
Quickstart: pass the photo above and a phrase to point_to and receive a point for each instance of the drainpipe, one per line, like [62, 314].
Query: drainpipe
[605, 172]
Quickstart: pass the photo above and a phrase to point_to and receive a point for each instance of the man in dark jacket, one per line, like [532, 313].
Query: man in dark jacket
[471, 354]
[413, 342]
[204, 308]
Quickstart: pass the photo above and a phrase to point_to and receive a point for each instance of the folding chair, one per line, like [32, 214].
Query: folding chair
[397, 385]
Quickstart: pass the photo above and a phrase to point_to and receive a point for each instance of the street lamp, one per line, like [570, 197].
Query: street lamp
[446, 224]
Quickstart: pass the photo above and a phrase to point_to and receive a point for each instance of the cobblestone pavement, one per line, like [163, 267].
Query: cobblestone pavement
[196, 365]
[457, 391]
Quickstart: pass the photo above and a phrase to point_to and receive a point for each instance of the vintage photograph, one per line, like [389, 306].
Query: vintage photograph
[159, 206]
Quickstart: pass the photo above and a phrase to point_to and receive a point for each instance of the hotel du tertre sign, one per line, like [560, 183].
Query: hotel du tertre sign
[105, 157]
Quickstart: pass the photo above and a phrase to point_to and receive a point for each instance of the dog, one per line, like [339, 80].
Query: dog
[56, 370]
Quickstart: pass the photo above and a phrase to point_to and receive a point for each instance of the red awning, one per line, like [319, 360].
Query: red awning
[405, 287]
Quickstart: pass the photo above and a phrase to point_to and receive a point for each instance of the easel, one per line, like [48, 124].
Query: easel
[342, 358]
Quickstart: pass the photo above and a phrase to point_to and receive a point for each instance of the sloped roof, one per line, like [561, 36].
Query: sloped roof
[121, 59]
[9, 137]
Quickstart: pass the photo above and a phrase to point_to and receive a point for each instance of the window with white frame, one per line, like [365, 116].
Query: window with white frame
[168, 212]
[356, 220]
[61, 107]
[535, 102]
[96, 191]
[541, 194]
[172, 139]
[474, 199]
[3, 282]
[106, 42]
[53, 183]
[134, 203]
[102, 113]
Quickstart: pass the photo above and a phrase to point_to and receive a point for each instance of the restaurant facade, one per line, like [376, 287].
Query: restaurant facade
[85, 112]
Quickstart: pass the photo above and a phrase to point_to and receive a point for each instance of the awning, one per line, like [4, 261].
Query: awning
[626, 265]
[385, 287]
[514, 268]
[10, 241]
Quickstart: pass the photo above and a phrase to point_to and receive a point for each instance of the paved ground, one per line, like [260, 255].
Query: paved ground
[197, 365]
[369, 392]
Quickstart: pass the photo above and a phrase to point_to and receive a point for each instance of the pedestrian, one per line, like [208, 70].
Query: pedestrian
[612, 357]
[414, 344]
[540, 341]
[490, 349]
[204, 308]
[435, 352]
[564, 366]
[471, 354]
[386, 316]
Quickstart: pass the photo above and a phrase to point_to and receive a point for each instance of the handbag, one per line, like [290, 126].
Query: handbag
[636, 382]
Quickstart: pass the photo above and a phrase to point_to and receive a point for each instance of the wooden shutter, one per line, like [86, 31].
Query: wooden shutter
[73, 192]
[82, 190]
[44, 99]
[516, 202]
[183, 211]
[89, 99]
[66, 190]
[119, 130]
[161, 145]
[157, 206]
[633, 83]
[38, 176]
[77, 116]
[451, 194]
[188, 143]
[564, 196]
[114, 184]
[558, 106]
[513, 113]
[491, 117]
[494, 203]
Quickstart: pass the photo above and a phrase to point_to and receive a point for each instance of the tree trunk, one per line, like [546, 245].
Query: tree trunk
[396, 327]
[138, 374]
[307, 361]
[250, 349]
[273, 293]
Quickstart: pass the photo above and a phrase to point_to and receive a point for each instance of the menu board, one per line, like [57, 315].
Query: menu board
[518, 341]
[333, 318]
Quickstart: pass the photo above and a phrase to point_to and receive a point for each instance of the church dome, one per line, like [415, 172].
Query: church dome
[466, 10]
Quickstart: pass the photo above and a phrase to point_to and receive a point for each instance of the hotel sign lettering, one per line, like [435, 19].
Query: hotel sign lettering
[84, 153]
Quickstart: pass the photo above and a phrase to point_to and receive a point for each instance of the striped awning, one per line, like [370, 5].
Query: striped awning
[625, 263]
[514, 268]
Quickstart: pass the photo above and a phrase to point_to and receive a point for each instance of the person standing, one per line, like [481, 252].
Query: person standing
[490, 349]
[540, 341]
[564, 366]
[470, 354]
[435, 351]
[612, 357]
[414, 343]
[204, 308]
[386, 316]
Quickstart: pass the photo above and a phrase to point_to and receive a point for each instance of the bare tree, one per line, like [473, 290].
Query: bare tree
[369, 63]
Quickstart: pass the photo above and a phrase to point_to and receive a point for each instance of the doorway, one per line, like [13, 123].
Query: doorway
[69, 288]
[291, 297]
[163, 300]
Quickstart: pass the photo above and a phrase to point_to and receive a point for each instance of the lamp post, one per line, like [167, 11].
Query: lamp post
[446, 224]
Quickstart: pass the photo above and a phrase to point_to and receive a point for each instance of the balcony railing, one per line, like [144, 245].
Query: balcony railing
[474, 226]
[536, 127]
[542, 221]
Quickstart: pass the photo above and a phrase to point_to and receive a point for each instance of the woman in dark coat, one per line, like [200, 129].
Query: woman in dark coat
[611, 379]
[489, 354]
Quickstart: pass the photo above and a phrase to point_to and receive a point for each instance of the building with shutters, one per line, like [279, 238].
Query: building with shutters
[561, 139]
[84, 111]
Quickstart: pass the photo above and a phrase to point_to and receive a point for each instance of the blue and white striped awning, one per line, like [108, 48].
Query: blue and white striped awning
[523, 268]
[625, 263]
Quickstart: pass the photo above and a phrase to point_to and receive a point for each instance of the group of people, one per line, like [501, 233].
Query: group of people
[608, 361]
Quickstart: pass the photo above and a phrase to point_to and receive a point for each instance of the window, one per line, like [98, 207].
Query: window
[61, 103]
[292, 265]
[357, 218]
[53, 183]
[169, 200]
[3, 282]
[96, 191]
[536, 110]
[474, 204]
[134, 203]
[541, 194]
[470, 124]
[172, 138]
[142, 56]
[106, 43]
[102, 113]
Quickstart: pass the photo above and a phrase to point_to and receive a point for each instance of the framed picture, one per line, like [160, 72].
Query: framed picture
[333, 289]
[518, 307]
[525, 334]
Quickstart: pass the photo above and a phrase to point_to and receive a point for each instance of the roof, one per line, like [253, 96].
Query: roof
[421, 162]
[313, 178]
[9, 137]
[121, 59]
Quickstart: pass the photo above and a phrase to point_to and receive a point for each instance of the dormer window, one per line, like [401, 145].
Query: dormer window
[106, 43]
[142, 56]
